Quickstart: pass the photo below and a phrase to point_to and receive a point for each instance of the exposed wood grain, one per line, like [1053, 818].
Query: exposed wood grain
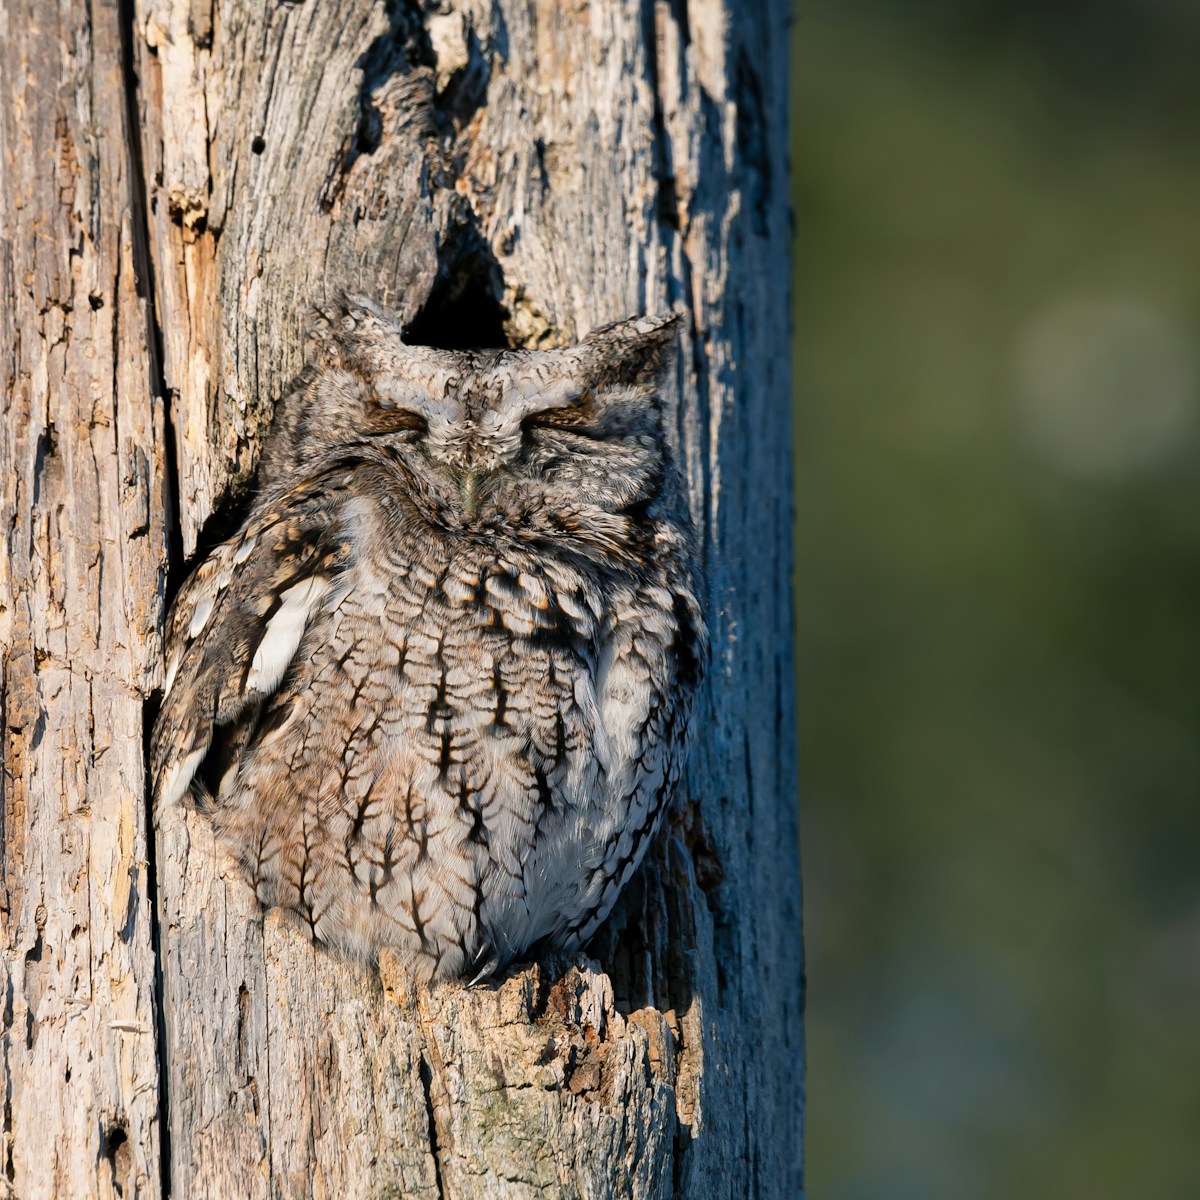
[82, 562]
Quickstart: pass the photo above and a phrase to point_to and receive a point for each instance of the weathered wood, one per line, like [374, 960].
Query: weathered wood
[523, 169]
[82, 570]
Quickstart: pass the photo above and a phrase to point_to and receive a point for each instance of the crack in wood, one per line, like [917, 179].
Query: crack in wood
[144, 284]
[434, 1148]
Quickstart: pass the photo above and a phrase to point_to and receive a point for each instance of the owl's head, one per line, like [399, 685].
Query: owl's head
[482, 429]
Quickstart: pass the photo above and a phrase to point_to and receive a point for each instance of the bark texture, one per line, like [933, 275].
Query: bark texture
[82, 575]
[497, 170]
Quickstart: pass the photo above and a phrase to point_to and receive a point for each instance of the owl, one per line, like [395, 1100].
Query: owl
[434, 693]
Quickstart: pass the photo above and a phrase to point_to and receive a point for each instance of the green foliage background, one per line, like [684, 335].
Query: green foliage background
[998, 594]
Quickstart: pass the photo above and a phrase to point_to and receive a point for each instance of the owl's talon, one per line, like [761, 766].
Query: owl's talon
[488, 969]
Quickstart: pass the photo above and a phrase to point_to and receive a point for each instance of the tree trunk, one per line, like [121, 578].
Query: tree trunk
[496, 170]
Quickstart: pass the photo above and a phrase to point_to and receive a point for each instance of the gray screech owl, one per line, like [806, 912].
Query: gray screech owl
[434, 692]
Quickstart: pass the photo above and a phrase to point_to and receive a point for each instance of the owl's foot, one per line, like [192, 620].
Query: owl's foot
[483, 965]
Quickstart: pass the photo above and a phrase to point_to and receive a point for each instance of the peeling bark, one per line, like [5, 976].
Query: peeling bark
[500, 172]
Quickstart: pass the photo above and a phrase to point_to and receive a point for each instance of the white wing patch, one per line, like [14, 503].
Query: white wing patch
[284, 631]
[203, 611]
[172, 671]
[180, 776]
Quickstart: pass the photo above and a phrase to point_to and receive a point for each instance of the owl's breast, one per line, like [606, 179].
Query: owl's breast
[476, 743]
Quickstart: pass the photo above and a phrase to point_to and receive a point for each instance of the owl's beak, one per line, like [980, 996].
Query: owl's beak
[468, 489]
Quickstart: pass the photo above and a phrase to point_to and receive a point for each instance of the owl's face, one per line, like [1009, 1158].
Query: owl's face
[483, 430]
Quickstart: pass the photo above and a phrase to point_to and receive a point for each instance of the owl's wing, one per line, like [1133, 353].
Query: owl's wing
[654, 649]
[238, 621]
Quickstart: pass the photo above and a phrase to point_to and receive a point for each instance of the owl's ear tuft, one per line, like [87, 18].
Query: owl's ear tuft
[345, 321]
[638, 350]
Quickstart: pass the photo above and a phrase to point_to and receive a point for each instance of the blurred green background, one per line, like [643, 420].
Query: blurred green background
[998, 593]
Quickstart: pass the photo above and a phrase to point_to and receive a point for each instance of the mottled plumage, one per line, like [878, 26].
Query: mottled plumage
[434, 692]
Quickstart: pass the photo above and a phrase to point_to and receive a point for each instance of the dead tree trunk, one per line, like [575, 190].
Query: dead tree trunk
[180, 178]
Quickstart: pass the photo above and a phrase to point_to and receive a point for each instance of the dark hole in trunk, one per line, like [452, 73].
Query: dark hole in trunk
[465, 310]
